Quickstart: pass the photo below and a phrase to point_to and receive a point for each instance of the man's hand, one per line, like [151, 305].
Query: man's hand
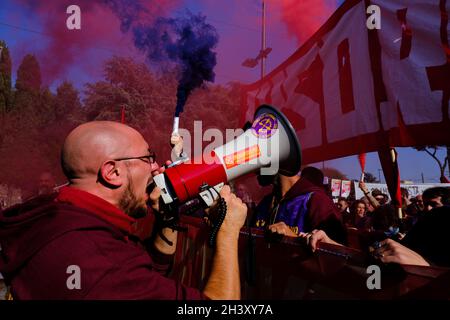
[283, 229]
[176, 141]
[224, 280]
[316, 236]
[236, 213]
[362, 186]
[156, 169]
[153, 198]
[391, 251]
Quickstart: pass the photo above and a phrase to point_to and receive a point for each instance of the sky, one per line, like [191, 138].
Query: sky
[38, 27]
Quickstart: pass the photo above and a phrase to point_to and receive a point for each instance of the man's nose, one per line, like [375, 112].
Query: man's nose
[155, 169]
[154, 166]
[428, 208]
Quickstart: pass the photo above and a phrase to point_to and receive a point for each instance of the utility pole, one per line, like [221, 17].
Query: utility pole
[263, 39]
[264, 52]
[423, 179]
[379, 175]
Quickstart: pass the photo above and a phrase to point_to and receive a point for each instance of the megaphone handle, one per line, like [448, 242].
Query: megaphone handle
[211, 194]
[222, 212]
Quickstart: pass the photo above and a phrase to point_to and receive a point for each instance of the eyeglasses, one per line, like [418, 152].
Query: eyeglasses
[150, 159]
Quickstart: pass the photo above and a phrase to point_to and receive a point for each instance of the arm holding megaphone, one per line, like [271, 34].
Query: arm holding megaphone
[224, 281]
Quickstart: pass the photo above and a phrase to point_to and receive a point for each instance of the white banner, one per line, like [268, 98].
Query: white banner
[346, 187]
[335, 187]
[350, 90]
[413, 189]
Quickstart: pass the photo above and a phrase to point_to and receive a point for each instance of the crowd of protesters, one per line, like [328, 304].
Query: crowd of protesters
[374, 212]
[412, 234]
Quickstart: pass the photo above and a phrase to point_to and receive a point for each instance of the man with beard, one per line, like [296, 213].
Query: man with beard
[76, 244]
[47, 183]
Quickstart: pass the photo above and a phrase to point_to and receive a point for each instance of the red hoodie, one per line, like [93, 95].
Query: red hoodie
[43, 237]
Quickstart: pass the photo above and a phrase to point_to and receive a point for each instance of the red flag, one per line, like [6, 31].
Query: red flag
[362, 163]
[122, 120]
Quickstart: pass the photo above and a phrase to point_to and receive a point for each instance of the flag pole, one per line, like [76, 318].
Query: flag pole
[362, 164]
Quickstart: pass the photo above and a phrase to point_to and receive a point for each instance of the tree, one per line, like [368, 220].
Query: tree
[27, 94]
[33, 129]
[128, 85]
[5, 78]
[67, 101]
[29, 75]
[334, 173]
[370, 178]
[431, 151]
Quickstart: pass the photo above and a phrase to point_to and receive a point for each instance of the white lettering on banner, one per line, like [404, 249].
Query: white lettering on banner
[301, 104]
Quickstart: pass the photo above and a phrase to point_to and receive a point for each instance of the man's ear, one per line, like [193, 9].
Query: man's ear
[111, 173]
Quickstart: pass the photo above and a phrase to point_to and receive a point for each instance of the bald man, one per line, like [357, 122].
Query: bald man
[76, 244]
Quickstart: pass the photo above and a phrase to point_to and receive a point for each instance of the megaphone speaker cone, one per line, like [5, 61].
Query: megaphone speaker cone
[267, 121]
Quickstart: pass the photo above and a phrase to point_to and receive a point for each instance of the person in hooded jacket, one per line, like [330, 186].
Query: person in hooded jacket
[299, 204]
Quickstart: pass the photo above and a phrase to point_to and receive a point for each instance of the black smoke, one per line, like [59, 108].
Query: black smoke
[186, 42]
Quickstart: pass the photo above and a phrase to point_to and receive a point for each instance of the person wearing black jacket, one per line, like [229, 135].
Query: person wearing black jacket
[300, 204]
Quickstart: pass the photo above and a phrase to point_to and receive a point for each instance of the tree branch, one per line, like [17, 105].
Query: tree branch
[433, 155]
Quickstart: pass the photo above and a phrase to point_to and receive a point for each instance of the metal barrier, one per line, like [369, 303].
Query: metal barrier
[284, 268]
